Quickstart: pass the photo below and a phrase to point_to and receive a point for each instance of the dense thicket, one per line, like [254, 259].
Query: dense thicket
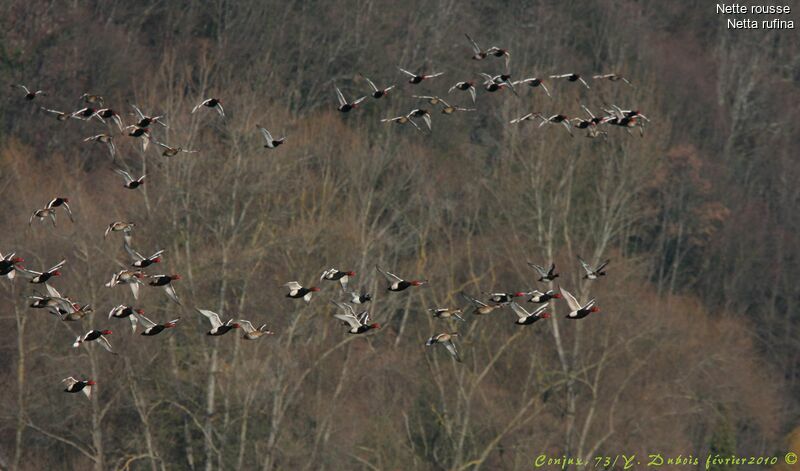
[697, 345]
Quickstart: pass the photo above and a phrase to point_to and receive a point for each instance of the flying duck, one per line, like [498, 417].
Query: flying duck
[378, 92]
[445, 339]
[528, 318]
[72, 385]
[344, 105]
[217, 327]
[297, 291]
[271, 143]
[214, 103]
[545, 275]
[593, 273]
[358, 324]
[333, 274]
[417, 78]
[396, 283]
[578, 311]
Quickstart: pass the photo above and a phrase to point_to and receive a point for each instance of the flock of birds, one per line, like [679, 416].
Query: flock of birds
[612, 115]
[136, 276]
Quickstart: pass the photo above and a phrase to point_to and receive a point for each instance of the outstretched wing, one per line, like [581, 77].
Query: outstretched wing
[266, 133]
[520, 311]
[585, 265]
[247, 326]
[147, 323]
[348, 309]
[538, 268]
[374, 88]
[472, 300]
[105, 343]
[389, 276]
[351, 320]
[57, 266]
[339, 95]
[293, 285]
[451, 348]
[571, 301]
[170, 290]
[212, 316]
[475, 46]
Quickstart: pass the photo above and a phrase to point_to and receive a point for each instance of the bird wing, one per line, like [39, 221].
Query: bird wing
[52, 291]
[427, 118]
[197, 107]
[519, 310]
[266, 134]
[134, 322]
[170, 290]
[125, 175]
[105, 343]
[247, 326]
[389, 276]
[538, 268]
[136, 256]
[545, 89]
[135, 289]
[220, 109]
[52, 111]
[407, 72]
[57, 266]
[147, 323]
[138, 111]
[475, 46]
[348, 309]
[359, 100]
[374, 88]
[339, 95]
[602, 265]
[157, 253]
[585, 265]
[451, 348]
[472, 92]
[571, 301]
[69, 382]
[539, 310]
[293, 285]
[472, 300]
[212, 316]
[349, 319]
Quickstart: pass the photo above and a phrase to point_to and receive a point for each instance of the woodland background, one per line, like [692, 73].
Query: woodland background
[697, 347]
